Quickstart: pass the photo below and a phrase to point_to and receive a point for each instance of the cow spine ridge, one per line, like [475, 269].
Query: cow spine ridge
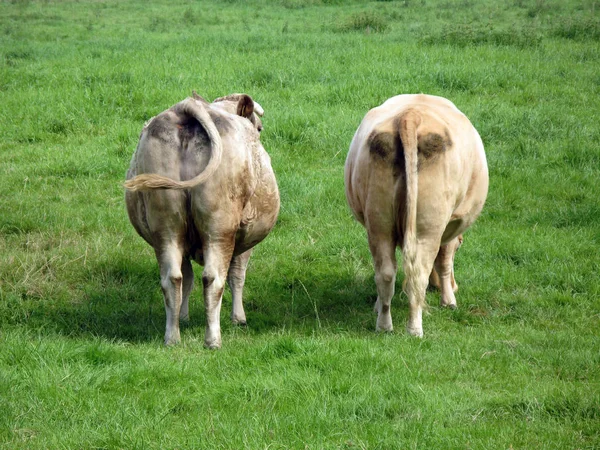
[408, 124]
[150, 181]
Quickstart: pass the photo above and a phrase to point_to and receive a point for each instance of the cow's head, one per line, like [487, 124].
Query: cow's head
[242, 105]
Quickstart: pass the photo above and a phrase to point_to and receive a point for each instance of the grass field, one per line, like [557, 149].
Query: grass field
[82, 365]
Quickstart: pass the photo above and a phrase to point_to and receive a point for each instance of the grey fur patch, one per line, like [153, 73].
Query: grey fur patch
[221, 122]
[161, 127]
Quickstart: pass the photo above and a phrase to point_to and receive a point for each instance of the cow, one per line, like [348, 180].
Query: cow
[416, 177]
[200, 186]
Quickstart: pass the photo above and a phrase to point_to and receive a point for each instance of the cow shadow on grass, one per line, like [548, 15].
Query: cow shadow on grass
[120, 299]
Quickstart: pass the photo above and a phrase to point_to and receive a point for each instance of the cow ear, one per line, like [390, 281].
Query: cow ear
[245, 106]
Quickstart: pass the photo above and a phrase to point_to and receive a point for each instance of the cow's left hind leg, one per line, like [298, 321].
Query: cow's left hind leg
[236, 278]
[171, 279]
[383, 250]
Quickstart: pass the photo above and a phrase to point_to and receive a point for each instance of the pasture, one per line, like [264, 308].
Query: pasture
[82, 364]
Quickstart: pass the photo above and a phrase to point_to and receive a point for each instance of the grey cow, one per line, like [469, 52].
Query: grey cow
[200, 186]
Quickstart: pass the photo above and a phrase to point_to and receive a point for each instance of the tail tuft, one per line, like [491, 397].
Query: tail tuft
[149, 181]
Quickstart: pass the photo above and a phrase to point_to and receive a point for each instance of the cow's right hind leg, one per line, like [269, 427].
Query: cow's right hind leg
[236, 279]
[383, 250]
[217, 256]
[416, 284]
[171, 280]
[444, 266]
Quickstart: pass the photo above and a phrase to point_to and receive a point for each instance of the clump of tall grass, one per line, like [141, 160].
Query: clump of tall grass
[579, 29]
[298, 4]
[366, 21]
[538, 8]
[191, 17]
[292, 4]
[463, 35]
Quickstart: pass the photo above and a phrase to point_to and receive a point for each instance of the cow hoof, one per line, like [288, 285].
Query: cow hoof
[384, 327]
[212, 344]
[169, 342]
[448, 301]
[241, 321]
[417, 332]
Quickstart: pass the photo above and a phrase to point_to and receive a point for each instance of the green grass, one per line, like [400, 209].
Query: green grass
[81, 312]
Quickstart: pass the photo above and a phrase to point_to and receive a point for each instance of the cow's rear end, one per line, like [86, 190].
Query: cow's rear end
[416, 177]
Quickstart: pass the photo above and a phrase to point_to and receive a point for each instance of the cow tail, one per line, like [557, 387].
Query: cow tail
[149, 181]
[408, 124]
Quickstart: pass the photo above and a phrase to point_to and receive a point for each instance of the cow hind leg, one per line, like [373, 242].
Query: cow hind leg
[171, 281]
[434, 279]
[188, 284]
[384, 259]
[444, 266]
[416, 284]
[217, 257]
[236, 278]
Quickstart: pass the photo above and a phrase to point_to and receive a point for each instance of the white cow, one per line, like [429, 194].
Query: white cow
[416, 177]
[200, 186]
